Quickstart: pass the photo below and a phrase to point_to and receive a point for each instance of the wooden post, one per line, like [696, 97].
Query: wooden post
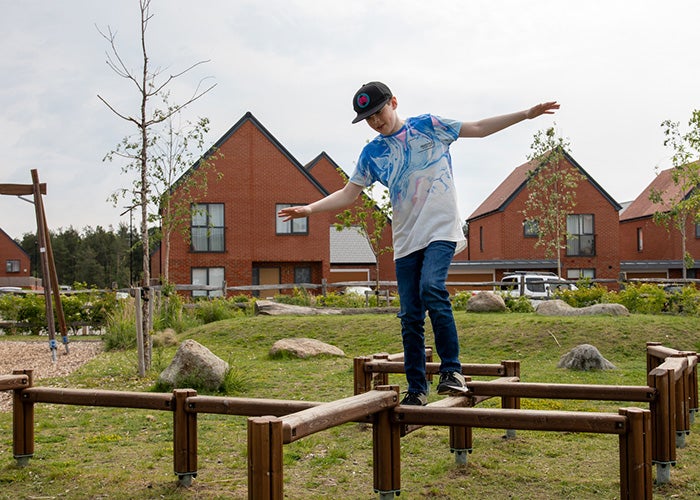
[139, 332]
[380, 378]
[22, 423]
[386, 451]
[635, 455]
[362, 379]
[663, 423]
[184, 437]
[510, 369]
[265, 474]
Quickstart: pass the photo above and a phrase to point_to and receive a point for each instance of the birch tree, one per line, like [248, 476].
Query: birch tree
[149, 82]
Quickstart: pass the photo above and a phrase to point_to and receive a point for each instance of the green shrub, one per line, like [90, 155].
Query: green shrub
[460, 299]
[686, 301]
[641, 298]
[216, 309]
[519, 304]
[299, 297]
[586, 295]
[120, 331]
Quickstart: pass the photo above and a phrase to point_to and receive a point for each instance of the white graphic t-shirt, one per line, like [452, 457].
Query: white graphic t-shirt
[415, 164]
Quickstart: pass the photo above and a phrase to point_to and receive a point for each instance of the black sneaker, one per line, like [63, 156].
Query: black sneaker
[414, 399]
[452, 384]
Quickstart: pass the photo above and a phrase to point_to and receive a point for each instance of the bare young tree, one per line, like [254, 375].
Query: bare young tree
[369, 218]
[551, 193]
[682, 205]
[149, 83]
[179, 173]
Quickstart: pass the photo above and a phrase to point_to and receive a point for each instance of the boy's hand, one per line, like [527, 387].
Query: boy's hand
[545, 108]
[290, 213]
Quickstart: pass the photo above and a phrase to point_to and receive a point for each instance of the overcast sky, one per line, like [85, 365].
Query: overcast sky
[618, 68]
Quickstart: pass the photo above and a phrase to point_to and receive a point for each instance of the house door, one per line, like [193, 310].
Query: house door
[268, 276]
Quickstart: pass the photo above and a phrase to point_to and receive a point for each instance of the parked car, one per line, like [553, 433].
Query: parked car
[536, 285]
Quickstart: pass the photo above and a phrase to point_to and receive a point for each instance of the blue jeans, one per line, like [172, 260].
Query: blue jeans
[421, 279]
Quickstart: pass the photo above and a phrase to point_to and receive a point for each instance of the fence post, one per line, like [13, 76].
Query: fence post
[663, 418]
[184, 437]
[386, 451]
[22, 423]
[511, 368]
[265, 474]
[635, 455]
[380, 378]
[362, 379]
[681, 402]
[139, 332]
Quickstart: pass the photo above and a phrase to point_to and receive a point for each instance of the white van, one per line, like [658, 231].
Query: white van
[535, 284]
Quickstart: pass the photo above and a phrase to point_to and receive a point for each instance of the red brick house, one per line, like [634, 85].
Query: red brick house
[499, 240]
[15, 270]
[236, 236]
[651, 250]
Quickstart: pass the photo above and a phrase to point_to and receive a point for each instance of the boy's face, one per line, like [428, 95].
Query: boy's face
[385, 121]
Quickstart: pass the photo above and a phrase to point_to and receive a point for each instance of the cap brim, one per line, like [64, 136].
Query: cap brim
[369, 112]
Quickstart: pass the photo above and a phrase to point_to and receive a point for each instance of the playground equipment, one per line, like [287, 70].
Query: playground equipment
[48, 266]
[645, 435]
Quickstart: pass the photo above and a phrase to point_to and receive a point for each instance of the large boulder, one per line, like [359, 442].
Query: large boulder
[560, 308]
[271, 308]
[486, 302]
[304, 348]
[584, 357]
[194, 365]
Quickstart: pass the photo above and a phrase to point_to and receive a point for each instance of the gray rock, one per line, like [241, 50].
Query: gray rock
[304, 348]
[271, 308]
[560, 308]
[486, 302]
[584, 357]
[193, 361]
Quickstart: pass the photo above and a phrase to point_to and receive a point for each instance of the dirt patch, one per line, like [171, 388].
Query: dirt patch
[36, 356]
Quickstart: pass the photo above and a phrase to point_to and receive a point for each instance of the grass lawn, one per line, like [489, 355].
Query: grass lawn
[84, 452]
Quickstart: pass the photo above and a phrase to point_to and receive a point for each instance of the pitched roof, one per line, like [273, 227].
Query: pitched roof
[642, 206]
[248, 117]
[19, 247]
[349, 246]
[505, 193]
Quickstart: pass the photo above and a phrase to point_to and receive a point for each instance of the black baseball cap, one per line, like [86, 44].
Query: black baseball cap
[370, 99]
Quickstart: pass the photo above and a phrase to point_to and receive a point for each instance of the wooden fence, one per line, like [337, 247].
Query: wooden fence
[672, 394]
[644, 435]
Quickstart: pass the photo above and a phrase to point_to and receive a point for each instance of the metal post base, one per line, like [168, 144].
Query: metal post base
[387, 495]
[510, 434]
[22, 460]
[186, 479]
[680, 438]
[461, 455]
[663, 473]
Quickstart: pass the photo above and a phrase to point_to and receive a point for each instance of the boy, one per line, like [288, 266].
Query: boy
[411, 157]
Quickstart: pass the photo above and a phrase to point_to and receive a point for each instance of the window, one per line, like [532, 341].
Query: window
[12, 266]
[302, 274]
[581, 235]
[208, 276]
[294, 226]
[577, 274]
[697, 229]
[481, 238]
[208, 227]
[531, 229]
[640, 239]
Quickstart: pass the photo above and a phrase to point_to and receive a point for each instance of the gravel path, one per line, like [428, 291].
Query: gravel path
[36, 356]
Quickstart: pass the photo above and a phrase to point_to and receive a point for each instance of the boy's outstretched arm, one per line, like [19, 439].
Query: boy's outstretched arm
[334, 201]
[488, 126]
